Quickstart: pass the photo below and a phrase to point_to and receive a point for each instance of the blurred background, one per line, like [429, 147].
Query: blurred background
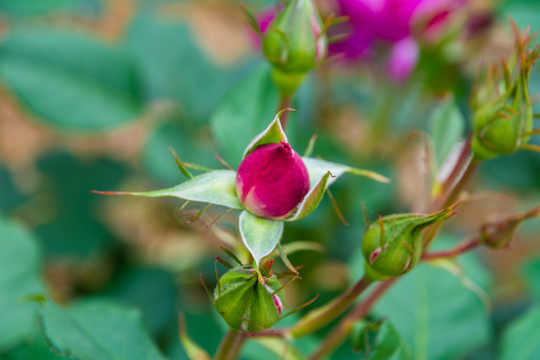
[93, 92]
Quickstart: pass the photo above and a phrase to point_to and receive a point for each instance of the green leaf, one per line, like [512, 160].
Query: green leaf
[34, 347]
[186, 142]
[379, 341]
[434, 313]
[317, 168]
[259, 235]
[272, 134]
[193, 351]
[174, 67]
[447, 126]
[32, 7]
[70, 80]
[521, 341]
[531, 271]
[20, 260]
[311, 200]
[97, 330]
[243, 112]
[216, 187]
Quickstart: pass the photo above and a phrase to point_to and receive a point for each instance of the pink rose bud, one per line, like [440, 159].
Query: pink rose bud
[272, 180]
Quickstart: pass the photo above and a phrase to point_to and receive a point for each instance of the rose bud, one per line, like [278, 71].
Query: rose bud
[272, 180]
[294, 44]
[393, 245]
[502, 109]
[245, 303]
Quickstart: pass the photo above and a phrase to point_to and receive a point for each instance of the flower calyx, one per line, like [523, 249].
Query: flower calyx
[500, 233]
[245, 303]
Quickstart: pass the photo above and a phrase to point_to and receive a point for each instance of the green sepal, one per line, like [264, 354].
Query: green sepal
[311, 200]
[215, 187]
[317, 168]
[259, 235]
[244, 303]
[273, 134]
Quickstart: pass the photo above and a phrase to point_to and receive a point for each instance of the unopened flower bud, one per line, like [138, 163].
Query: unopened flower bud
[393, 245]
[294, 44]
[272, 180]
[499, 234]
[245, 303]
[502, 110]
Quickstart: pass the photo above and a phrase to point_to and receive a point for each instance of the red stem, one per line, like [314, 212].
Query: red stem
[284, 103]
[345, 326]
[461, 248]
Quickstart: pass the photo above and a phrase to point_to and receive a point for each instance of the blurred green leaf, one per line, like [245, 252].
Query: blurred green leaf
[152, 291]
[193, 351]
[524, 12]
[246, 111]
[434, 313]
[34, 347]
[521, 341]
[70, 80]
[20, 259]
[531, 271]
[446, 128]
[73, 225]
[518, 172]
[191, 146]
[173, 67]
[11, 197]
[97, 330]
[32, 7]
[205, 328]
[379, 341]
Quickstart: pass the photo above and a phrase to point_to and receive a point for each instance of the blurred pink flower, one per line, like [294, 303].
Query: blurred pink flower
[390, 22]
[403, 59]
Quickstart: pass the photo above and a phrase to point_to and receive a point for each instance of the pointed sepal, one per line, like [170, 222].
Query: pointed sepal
[312, 199]
[259, 235]
[317, 168]
[273, 134]
[215, 187]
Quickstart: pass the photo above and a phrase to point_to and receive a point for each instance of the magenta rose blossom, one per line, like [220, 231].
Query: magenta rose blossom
[272, 180]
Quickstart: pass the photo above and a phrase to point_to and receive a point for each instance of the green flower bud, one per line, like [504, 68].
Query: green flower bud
[502, 110]
[245, 303]
[393, 245]
[294, 43]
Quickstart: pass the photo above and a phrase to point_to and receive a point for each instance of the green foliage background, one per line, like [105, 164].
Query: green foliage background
[93, 92]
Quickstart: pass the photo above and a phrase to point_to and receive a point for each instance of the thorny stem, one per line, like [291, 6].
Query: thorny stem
[320, 317]
[459, 177]
[284, 103]
[344, 328]
[230, 346]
